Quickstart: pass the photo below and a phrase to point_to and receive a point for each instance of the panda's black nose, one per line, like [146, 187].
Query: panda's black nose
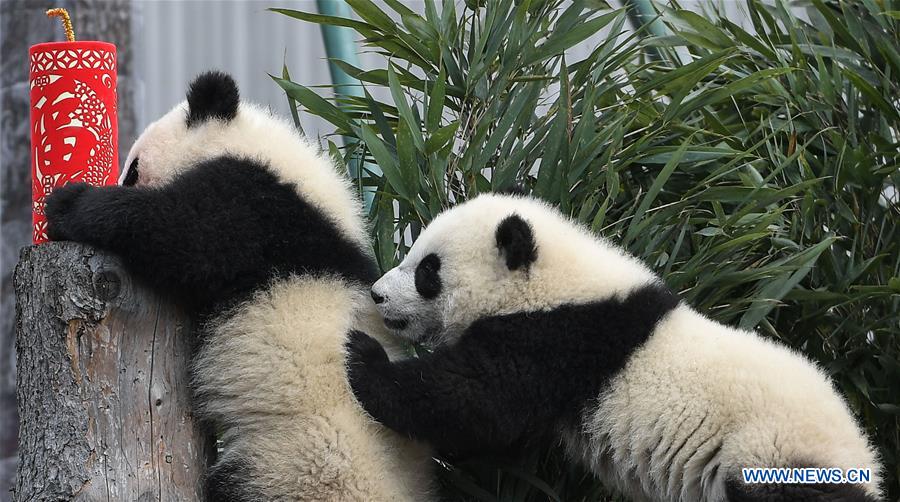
[377, 298]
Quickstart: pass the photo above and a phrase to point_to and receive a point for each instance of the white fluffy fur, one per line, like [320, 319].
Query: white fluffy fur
[711, 387]
[695, 381]
[273, 369]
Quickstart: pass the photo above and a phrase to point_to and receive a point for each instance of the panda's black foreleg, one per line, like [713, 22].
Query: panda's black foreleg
[141, 225]
[199, 237]
[213, 234]
[83, 213]
[446, 399]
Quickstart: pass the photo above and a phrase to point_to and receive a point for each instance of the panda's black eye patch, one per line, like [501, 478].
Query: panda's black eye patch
[428, 280]
[132, 176]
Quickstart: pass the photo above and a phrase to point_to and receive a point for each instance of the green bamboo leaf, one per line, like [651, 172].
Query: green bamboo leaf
[292, 103]
[710, 231]
[852, 21]
[386, 161]
[380, 77]
[837, 53]
[772, 292]
[894, 284]
[839, 27]
[654, 190]
[728, 91]
[370, 13]
[523, 102]
[704, 28]
[384, 233]
[400, 46]
[399, 8]
[335, 153]
[561, 41]
[436, 101]
[404, 110]
[408, 163]
[420, 28]
[755, 43]
[315, 103]
[663, 155]
[557, 145]
[440, 138]
[384, 128]
[323, 19]
[685, 76]
[890, 53]
[870, 92]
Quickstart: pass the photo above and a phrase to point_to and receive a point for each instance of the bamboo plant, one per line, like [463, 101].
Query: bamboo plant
[754, 165]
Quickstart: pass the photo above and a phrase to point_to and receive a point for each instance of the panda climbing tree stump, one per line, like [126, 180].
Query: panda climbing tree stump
[103, 392]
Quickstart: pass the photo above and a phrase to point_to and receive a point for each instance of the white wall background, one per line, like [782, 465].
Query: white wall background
[175, 40]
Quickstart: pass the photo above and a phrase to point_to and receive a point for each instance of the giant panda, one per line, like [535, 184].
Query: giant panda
[228, 208]
[540, 329]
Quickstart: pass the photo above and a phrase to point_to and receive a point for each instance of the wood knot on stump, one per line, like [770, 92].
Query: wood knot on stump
[107, 284]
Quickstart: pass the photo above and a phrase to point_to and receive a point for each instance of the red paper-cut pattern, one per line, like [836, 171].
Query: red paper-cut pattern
[74, 133]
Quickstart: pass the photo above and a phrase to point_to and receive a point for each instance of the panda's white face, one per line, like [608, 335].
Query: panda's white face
[150, 161]
[419, 297]
[498, 254]
[200, 128]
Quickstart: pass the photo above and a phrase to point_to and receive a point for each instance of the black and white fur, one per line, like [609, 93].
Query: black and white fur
[542, 330]
[228, 209]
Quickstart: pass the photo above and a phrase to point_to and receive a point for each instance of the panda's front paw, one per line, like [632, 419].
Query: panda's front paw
[367, 365]
[363, 350]
[63, 216]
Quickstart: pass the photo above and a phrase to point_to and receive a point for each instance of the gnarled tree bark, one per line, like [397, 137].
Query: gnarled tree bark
[103, 397]
[22, 24]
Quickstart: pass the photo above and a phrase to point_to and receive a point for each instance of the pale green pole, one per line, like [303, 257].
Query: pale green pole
[340, 45]
[641, 12]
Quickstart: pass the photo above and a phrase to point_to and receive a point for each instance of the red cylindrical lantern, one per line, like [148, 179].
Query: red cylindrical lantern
[74, 133]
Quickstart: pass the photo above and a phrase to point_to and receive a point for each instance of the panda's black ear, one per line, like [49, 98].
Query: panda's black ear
[212, 95]
[515, 240]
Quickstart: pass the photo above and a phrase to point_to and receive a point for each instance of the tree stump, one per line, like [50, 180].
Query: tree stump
[24, 23]
[103, 395]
